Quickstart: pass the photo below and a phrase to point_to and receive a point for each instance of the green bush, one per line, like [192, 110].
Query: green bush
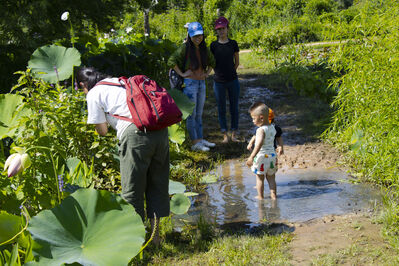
[128, 55]
[318, 7]
[366, 121]
[308, 71]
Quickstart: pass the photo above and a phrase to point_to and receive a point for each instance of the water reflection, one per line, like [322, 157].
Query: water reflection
[303, 194]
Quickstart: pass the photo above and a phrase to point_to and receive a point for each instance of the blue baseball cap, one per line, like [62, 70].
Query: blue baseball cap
[195, 28]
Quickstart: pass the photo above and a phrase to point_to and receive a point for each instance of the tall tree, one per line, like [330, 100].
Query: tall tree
[147, 6]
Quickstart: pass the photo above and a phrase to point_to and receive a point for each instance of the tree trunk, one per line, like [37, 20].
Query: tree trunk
[146, 22]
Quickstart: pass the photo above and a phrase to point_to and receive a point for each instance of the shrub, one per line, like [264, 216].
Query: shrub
[318, 7]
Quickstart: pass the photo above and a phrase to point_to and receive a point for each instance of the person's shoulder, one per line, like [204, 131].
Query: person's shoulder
[234, 43]
[181, 48]
[268, 127]
[260, 129]
[104, 87]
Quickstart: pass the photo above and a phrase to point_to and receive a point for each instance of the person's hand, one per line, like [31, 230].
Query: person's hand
[187, 73]
[205, 75]
[250, 162]
[249, 146]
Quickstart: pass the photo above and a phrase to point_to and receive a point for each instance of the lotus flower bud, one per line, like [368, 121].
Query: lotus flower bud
[15, 165]
[65, 16]
[9, 160]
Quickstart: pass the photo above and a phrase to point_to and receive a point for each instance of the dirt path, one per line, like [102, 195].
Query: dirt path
[352, 239]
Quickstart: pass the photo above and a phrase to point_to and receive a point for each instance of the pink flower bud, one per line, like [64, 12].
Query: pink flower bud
[15, 165]
[9, 160]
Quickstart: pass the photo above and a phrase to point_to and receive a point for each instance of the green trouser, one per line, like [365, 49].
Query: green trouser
[144, 162]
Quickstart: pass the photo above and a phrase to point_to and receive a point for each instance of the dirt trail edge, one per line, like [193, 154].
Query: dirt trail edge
[352, 239]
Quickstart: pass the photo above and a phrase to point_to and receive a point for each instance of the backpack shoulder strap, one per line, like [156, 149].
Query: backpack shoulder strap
[109, 84]
[120, 84]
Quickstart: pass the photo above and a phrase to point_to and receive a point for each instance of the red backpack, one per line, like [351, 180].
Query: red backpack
[151, 106]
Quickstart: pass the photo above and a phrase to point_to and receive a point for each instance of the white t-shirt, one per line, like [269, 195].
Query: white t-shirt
[103, 100]
[268, 141]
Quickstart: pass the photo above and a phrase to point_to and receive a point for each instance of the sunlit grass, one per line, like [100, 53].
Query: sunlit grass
[204, 244]
[358, 254]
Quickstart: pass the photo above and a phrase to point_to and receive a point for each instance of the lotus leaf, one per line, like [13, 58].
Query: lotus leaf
[209, 178]
[10, 225]
[179, 204]
[12, 109]
[183, 102]
[90, 227]
[54, 63]
[177, 134]
[176, 187]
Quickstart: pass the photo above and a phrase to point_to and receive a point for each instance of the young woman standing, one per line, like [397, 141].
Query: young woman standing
[198, 63]
[226, 53]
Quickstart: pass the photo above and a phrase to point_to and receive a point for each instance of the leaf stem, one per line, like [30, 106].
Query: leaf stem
[54, 168]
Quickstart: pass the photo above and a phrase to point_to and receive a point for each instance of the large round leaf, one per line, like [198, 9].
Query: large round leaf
[90, 227]
[12, 110]
[10, 225]
[177, 134]
[179, 204]
[54, 63]
[183, 102]
[176, 187]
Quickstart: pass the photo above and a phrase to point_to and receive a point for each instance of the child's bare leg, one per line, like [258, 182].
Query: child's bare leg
[271, 179]
[260, 184]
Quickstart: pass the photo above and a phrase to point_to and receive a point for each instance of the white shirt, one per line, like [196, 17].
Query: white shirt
[268, 141]
[103, 100]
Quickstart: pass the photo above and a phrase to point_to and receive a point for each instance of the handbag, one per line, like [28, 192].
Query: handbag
[176, 81]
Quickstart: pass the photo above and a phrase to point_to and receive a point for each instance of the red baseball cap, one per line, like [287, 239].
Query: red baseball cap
[221, 22]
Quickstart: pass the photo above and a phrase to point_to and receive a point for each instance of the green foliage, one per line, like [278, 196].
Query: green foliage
[90, 227]
[79, 174]
[128, 55]
[170, 25]
[26, 25]
[319, 7]
[14, 238]
[56, 122]
[13, 110]
[366, 121]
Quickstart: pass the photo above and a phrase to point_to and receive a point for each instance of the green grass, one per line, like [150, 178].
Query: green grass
[358, 254]
[253, 63]
[204, 244]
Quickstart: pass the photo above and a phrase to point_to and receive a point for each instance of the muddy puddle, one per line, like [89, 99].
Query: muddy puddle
[303, 194]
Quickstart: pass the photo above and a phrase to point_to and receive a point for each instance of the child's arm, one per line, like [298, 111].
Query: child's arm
[251, 143]
[260, 136]
[280, 144]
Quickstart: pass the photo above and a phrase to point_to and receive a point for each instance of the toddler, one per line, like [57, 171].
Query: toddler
[263, 157]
